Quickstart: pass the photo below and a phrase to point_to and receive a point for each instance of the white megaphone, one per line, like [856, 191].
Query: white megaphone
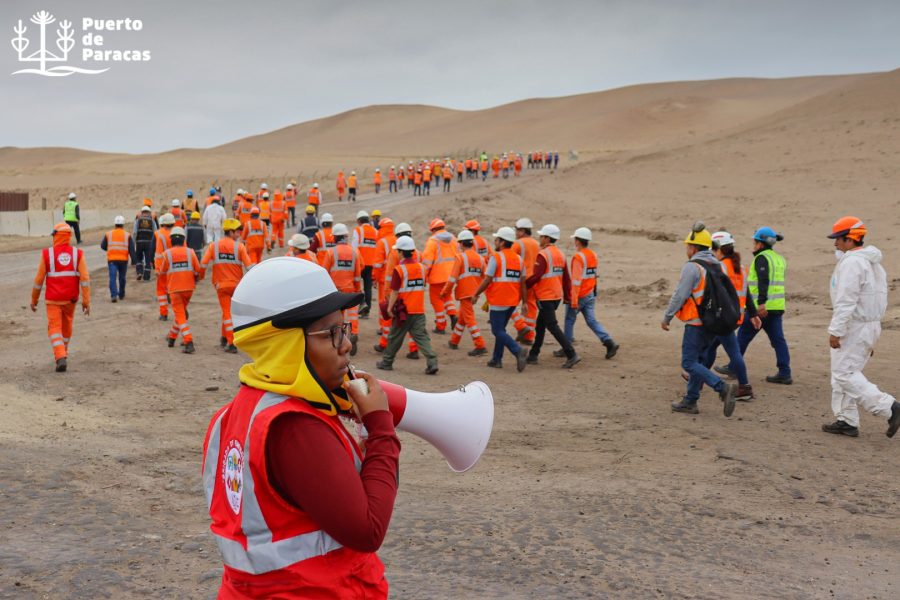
[457, 423]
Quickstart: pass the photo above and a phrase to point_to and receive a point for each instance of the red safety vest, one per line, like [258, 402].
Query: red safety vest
[271, 548]
[61, 266]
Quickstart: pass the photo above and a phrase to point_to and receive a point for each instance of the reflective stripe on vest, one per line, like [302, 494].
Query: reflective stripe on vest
[262, 554]
[69, 211]
[411, 285]
[182, 265]
[507, 275]
[775, 299]
[227, 258]
[253, 232]
[117, 245]
[467, 271]
[553, 270]
[342, 264]
[586, 271]
[52, 272]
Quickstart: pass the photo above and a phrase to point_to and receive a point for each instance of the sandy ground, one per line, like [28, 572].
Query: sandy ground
[590, 486]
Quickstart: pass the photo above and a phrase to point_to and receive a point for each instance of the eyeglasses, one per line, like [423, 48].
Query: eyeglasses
[338, 334]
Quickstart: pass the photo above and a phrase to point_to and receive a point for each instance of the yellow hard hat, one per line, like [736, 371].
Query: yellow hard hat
[231, 225]
[310, 209]
[699, 236]
[376, 213]
[195, 215]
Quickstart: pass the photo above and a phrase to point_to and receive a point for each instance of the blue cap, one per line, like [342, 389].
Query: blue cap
[190, 193]
[767, 235]
[212, 191]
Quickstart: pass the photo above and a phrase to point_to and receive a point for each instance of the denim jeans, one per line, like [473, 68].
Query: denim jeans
[144, 259]
[499, 320]
[730, 344]
[694, 345]
[585, 307]
[771, 324]
[118, 269]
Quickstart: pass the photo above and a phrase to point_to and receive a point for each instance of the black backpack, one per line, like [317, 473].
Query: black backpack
[720, 309]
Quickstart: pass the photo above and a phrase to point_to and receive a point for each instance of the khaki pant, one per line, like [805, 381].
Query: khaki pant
[415, 326]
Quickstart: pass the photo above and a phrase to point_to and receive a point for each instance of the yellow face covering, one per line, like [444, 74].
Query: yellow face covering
[280, 366]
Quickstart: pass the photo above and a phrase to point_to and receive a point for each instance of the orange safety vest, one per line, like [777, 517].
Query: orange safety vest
[481, 246]
[290, 198]
[270, 548]
[117, 244]
[179, 216]
[254, 234]
[459, 167]
[278, 209]
[392, 175]
[343, 264]
[550, 286]
[417, 178]
[303, 255]
[351, 181]
[182, 267]
[426, 175]
[468, 272]
[383, 248]
[739, 280]
[377, 178]
[366, 237]
[392, 261]
[438, 258]
[326, 241]
[448, 173]
[246, 207]
[265, 213]
[61, 268]
[528, 248]
[412, 287]
[688, 311]
[341, 183]
[228, 258]
[505, 289]
[586, 271]
[163, 243]
[484, 165]
[314, 196]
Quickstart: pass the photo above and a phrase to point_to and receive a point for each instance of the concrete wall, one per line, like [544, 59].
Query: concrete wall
[40, 222]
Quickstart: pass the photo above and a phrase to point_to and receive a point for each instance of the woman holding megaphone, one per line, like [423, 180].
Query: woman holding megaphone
[297, 509]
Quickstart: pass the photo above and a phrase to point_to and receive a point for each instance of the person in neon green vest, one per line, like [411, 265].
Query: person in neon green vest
[766, 283]
[72, 215]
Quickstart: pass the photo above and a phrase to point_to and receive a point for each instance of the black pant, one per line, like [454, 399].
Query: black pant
[446, 185]
[76, 229]
[293, 216]
[367, 285]
[143, 259]
[546, 320]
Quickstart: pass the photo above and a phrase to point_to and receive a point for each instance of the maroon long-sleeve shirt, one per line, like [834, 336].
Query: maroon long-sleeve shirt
[540, 267]
[309, 467]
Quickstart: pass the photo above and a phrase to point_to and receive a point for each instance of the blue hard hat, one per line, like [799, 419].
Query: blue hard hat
[190, 193]
[767, 235]
[212, 191]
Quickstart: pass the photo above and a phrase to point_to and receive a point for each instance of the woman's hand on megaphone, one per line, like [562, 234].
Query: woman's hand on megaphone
[363, 404]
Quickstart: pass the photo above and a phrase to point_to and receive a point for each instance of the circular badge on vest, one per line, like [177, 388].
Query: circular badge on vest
[64, 258]
[233, 474]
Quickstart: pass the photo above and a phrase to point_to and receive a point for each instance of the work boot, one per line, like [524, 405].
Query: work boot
[431, 370]
[353, 340]
[782, 379]
[223, 341]
[188, 348]
[724, 370]
[531, 360]
[744, 393]
[495, 364]
[439, 331]
[231, 349]
[364, 312]
[572, 362]
[726, 395]
[383, 366]
[453, 346]
[894, 421]
[413, 355]
[378, 348]
[841, 428]
[683, 407]
[522, 359]
[113, 299]
[453, 320]
[477, 352]
[559, 353]
[170, 342]
[611, 349]
[163, 317]
[61, 365]
[520, 337]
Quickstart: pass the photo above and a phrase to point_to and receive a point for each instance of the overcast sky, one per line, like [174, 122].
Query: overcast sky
[227, 69]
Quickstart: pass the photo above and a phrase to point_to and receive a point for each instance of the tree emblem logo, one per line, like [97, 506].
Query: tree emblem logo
[65, 41]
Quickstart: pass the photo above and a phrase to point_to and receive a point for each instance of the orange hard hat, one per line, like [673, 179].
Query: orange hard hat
[385, 221]
[850, 227]
[474, 225]
[148, 202]
[61, 228]
[436, 224]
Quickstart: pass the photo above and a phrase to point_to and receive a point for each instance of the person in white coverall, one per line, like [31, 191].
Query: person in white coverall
[858, 299]
[213, 218]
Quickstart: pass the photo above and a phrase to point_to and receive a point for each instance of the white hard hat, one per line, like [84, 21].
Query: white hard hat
[402, 228]
[167, 219]
[145, 209]
[377, 170]
[119, 220]
[582, 233]
[178, 231]
[506, 233]
[287, 291]
[327, 218]
[353, 172]
[722, 238]
[550, 230]
[176, 202]
[265, 194]
[298, 240]
[362, 215]
[465, 236]
[405, 243]
[264, 186]
[339, 229]
[240, 191]
[72, 196]
[524, 223]
[289, 186]
[315, 185]
[393, 167]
